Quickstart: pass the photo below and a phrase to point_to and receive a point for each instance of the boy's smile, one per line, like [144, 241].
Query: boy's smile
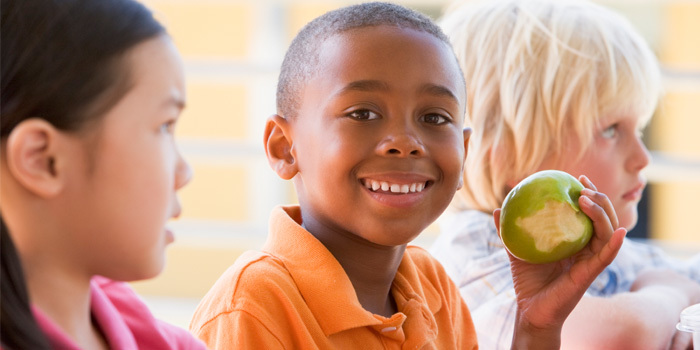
[378, 141]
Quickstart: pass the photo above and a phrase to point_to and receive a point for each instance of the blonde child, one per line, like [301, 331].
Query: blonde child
[369, 128]
[91, 91]
[565, 85]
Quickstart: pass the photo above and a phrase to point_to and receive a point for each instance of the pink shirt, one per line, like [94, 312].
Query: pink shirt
[124, 320]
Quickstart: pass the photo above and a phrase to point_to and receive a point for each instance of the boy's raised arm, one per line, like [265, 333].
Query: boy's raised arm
[547, 293]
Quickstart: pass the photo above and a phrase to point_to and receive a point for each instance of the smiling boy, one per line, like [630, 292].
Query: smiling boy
[369, 128]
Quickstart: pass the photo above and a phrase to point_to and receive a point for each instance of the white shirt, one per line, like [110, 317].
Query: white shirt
[469, 248]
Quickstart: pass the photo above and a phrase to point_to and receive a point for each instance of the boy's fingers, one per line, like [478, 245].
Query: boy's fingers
[587, 182]
[601, 221]
[602, 200]
[599, 198]
[609, 251]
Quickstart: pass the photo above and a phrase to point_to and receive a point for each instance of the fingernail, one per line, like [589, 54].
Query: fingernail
[587, 192]
[587, 201]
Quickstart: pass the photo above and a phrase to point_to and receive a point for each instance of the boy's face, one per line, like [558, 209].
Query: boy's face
[614, 162]
[378, 142]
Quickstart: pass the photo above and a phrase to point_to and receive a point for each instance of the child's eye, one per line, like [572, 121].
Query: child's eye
[168, 127]
[363, 114]
[610, 132]
[436, 119]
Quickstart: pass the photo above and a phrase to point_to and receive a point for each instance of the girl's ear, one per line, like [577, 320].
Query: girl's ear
[278, 147]
[31, 156]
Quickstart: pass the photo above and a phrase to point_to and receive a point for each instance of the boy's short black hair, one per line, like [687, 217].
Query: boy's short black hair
[301, 60]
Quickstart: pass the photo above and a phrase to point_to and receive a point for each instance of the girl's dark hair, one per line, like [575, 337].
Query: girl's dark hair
[19, 329]
[62, 61]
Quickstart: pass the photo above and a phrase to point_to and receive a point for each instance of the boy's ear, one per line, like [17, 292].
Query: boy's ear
[467, 134]
[31, 156]
[278, 147]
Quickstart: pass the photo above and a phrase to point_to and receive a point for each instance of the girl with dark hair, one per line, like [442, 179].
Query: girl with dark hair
[91, 91]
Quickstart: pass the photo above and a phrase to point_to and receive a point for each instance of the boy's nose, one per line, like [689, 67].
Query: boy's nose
[640, 157]
[401, 145]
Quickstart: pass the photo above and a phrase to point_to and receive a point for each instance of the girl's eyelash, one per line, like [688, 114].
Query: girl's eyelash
[168, 126]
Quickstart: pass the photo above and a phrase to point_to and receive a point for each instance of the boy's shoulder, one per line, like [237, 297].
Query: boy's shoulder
[421, 257]
[428, 266]
[239, 287]
[251, 270]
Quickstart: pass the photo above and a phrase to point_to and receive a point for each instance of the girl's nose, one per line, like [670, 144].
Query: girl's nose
[183, 172]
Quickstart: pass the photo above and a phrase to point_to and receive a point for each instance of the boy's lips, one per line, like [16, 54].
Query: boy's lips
[400, 191]
[394, 187]
[635, 193]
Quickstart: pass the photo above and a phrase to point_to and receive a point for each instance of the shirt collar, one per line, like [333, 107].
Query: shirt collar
[332, 299]
[107, 317]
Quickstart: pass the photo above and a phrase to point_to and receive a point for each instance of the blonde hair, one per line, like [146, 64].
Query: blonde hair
[538, 74]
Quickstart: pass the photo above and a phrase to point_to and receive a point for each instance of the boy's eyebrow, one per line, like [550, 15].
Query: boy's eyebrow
[364, 85]
[439, 90]
[376, 85]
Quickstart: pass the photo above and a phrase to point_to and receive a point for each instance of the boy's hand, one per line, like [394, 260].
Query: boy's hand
[547, 293]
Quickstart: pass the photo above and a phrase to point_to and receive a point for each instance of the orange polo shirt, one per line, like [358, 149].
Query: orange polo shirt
[295, 295]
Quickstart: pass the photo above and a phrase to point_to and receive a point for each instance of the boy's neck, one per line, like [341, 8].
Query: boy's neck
[370, 267]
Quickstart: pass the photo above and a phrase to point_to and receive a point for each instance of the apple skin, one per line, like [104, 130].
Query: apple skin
[541, 221]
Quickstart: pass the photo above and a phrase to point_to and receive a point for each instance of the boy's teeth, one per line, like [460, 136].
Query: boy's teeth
[394, 188]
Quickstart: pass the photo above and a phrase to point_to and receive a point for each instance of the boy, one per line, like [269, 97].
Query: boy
[369, 128]
[565, 85]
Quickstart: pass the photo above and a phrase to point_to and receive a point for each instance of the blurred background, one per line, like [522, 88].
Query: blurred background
[232, 51]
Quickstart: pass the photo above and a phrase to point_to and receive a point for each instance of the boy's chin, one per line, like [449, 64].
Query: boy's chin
[628, 219]
[392, 237]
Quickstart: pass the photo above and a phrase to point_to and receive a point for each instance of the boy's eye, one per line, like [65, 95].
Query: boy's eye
[363, 114]
[435, 119]
[609, 132]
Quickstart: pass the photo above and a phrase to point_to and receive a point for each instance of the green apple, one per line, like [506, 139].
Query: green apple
[541, 221]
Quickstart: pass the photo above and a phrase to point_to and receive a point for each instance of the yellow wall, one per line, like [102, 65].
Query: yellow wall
[214, 110]
[232, 50]
[206, 28]
[674, 203]
[681, 42]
